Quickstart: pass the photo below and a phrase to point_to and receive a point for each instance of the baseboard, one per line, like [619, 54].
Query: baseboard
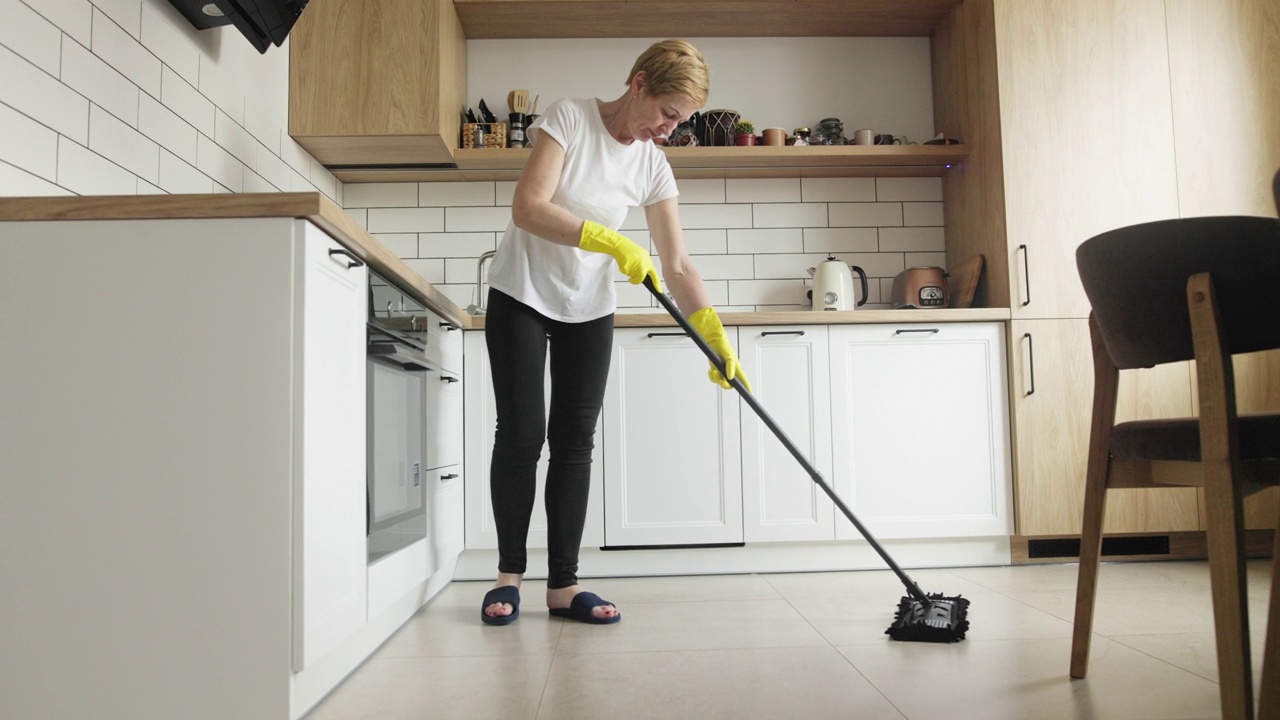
[1184, 545]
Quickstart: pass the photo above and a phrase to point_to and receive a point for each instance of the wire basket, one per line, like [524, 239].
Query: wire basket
[494, 134]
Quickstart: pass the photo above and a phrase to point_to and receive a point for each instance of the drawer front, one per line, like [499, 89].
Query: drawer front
[444, 419]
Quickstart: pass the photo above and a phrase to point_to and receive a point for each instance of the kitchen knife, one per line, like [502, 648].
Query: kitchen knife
[484, 110]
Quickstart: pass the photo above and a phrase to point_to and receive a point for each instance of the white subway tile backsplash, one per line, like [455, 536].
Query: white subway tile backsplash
[104, 85]
[295, 155]
[476, 219]
[922, 213]
[74, 17]
[234, 139]
[298, 183]
[16, 181]
[926, 259]
[765, 292]
[837, 189]
[273, 169]
[717, 292]
[86, 173]
[448, 245]
[182, 98]
[701, 191]
[324, 180]
[146, 188]
[125, 13]
[769, 240]
[706, 242]
[788, 265]
[30, 35]
[123, 145]
[255, 183]
[725, 267]
[165, 33]
[177, 176]
[504, 192]
[361, 217]
[841, 240]
[431, 270]
[914, 239]
[219, 88]
[27, 144]
[39, 96]
[122, 51]
[633, 296]
[455, 194]
[868, 214]
[770, 190]
[875, 265]
[219, 164]
[165, 127]
[382, 195]
[796, 215]
[908, 188]
[263, 127]
[404, 245]
[460, 271]
[405, 220]
[715, 216]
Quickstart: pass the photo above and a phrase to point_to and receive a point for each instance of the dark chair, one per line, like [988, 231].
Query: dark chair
[1168, 291]
[1269, 700]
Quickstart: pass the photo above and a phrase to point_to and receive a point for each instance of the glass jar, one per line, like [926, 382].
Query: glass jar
[832, 131]
[801, 135]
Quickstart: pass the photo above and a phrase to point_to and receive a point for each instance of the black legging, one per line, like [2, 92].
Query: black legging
[517, 337]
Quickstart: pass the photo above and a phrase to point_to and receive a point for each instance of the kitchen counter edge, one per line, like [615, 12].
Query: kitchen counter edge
[809, 317]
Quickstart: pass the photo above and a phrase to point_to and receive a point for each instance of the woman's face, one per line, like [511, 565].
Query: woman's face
[655, 116]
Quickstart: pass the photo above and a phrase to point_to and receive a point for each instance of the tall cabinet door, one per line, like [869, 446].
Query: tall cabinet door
[330, 566]
[788, 371]
[671, 445]
[921, 435]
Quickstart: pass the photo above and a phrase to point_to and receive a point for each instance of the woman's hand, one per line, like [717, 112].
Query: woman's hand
[708, 325]
[633, 260]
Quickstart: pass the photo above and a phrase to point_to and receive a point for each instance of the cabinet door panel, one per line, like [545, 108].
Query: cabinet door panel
[921, 432]
[672, 462]
[444, 419]
[788, 370]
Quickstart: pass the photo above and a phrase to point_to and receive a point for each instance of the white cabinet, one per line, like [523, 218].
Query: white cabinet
[480, 422]
[444, 419]
[671, 445]
[787, 368]
[330, 550]
[920, 416]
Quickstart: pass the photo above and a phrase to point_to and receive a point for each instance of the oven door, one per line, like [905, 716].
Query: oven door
[397, 397]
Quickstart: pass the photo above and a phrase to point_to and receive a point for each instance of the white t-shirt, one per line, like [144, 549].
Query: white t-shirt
[601, 180]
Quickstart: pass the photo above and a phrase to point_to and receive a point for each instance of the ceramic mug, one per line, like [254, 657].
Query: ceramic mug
[775, 136]
[864, 137]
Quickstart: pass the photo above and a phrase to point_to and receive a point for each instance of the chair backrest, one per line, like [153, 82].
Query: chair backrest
[1136, 281]
[1275, 190]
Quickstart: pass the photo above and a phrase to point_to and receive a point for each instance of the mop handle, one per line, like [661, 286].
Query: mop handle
[670, 306]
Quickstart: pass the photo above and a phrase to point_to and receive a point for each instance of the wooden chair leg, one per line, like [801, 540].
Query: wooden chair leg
[1269, 698]
[1225, 535]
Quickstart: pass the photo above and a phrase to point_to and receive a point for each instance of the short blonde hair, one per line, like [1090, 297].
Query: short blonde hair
[674, 67]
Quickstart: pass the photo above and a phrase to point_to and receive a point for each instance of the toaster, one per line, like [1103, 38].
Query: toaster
[921, 287]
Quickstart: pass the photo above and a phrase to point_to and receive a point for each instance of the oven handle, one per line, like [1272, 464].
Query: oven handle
[394, 353]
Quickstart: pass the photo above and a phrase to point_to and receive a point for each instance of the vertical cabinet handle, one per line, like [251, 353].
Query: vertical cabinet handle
[353, 261]
[1031, 364]
[1026, 275]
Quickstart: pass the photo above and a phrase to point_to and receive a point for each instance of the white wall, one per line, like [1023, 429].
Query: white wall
[106, 97]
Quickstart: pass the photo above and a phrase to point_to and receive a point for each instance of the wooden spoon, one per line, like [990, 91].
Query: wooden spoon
[518, 101]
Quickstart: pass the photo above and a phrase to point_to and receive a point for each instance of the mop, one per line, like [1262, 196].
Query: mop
[920, 617]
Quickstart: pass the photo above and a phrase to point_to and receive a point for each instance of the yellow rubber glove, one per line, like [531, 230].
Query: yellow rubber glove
[708, 325]
[633, 260]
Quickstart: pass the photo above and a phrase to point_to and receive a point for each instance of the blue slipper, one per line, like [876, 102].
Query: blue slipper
[509, 594]
[580, 609]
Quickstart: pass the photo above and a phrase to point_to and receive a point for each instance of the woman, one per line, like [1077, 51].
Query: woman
[551, 284]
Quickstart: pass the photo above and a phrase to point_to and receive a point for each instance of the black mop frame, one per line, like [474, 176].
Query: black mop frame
[937, 618]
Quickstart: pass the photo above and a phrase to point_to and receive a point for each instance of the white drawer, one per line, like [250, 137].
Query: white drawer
[447, 528]
[444, 342]
[444, 419]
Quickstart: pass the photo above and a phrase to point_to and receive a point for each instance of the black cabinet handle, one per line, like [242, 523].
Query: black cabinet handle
[448, 327]
[353, 261]
[781, 332]
[1031, 363]
[448, 476]
[1026, 274]
[448, 379]
[668, 334]
[928, 331]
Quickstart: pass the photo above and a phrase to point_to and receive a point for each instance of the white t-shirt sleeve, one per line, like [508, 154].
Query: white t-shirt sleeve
[562, 121]
[662, 183]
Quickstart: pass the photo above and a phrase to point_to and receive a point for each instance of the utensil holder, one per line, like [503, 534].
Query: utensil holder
[495, 135]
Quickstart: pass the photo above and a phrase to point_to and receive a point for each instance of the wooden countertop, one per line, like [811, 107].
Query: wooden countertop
[310, 205]
[808, 317]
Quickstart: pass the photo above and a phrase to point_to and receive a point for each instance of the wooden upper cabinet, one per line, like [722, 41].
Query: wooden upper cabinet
[377, 82]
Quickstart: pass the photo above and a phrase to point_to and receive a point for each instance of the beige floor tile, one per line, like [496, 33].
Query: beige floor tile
[444, 630]
[684, 588]
[421, 688]
[1028, 680]
[867, 582]
[711, 685]
[722, 625]
[1193, 652]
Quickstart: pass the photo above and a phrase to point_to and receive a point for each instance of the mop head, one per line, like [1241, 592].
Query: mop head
[943, 620]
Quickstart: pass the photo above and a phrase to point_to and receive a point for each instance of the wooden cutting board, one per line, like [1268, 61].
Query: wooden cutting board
[963, 281]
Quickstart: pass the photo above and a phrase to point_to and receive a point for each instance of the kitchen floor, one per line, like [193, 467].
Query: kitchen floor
[812, 645]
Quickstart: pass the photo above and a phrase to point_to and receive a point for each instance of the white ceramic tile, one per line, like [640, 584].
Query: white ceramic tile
[706, 242]
[178, 176]
[837, 189]
[922, 213]
[219, 89]
[907, 188]
[125, 13]
[254, 183]
[324, 180]
[404, 245]
[219, 164]
[87, 173]
[504, 191]
[146, 188]
[925, 259]
[771, 190]
[234, 139]
[772, 240]
[406, 220]
[452, 194]
[870, 214]
[880, 264]
[123, 52]
[799, 215]
[460, 271]
[793, 266]
[16, 181]
[431, 270]
[298, 183]
[917, 239]
[294, 154]
[30, 35]
[632, 296]
[182, 98]
[166, 128]
[361, 217]
[766, 292]
[27, 144]
[381, 195]
[475, 219]
[263, 127]
[123, 145]
[841, 240]
[90, 76]
[74, 17]
[167, 34]
[272, 169]
[39, 96]
[701, 191]
[725, 267]
[460, 295]
[715, 216]
[445, 245]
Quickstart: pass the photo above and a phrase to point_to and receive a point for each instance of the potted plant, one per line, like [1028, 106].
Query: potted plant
[744, 133]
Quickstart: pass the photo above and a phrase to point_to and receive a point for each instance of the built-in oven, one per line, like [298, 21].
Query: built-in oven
[397, 424]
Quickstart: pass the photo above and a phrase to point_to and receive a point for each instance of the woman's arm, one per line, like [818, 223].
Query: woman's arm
[531, 207]
[678, 270]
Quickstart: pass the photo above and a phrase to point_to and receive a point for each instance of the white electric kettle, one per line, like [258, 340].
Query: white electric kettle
[833, 285]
